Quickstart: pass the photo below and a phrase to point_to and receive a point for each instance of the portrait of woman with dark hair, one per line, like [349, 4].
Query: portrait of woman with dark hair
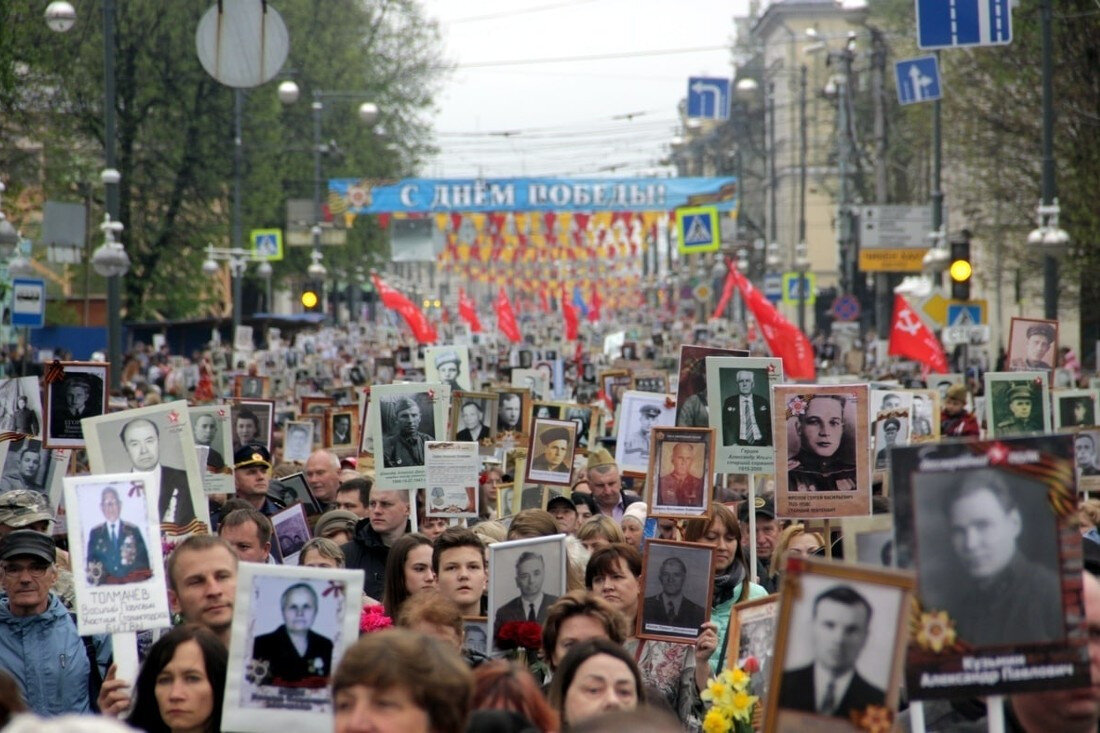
[825, 460]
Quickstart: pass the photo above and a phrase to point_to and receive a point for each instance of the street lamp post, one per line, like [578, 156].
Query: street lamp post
[238, 259]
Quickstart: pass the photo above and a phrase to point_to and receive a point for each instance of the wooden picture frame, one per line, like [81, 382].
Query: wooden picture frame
[680, 490]
[61, 429]
[665, 570]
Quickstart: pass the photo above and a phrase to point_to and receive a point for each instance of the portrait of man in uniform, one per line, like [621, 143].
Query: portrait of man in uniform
[680, 487]
[404, 442]
[1036, 350]
[1018, 413]
[116, 550]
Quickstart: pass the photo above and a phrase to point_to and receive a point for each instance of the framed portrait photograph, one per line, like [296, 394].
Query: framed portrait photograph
[535, 381]
[211, 427]
[449, 365]
[675, 603]
[752, 634]
[476, 634]
[253, 422]
[251, 387]
[80, 393]
[21, 406]
[821, 458]
[545, 410]
[818, 683]
[159, 439]
[740, 409]
[976, 521]
[297, 440]
[924, 420]
[525, 578]
[318, 423]
[474, 419]
[1016, 403]
[615, 383]
[1086, 455]
[116, 554]
[403, 417]
[691, 384]
[1076, 408]
[584, 417]
[316, 405]
[940, 383]
[28, 464]
[649, 380]
[550, 452]
[1032, 345]
[293, 489]
[342, 431]
[506, 500]
[639, 414]
[683, 464]
[513, 414]
[890, 409]
[868, 540]
[291, 532]
[278, 611]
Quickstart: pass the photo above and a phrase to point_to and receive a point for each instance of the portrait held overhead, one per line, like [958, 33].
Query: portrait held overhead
[1017, 403]
[81, 393]
[1033, 344]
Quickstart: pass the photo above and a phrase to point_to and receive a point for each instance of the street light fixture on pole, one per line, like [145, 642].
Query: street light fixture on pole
[238, 259]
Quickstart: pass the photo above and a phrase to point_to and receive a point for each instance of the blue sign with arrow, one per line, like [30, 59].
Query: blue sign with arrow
[918, 80]
[708, 97]
[956, 23]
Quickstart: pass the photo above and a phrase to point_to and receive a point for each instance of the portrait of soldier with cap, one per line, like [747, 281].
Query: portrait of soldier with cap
[1017, 410]
[403, 444]
[447, 364]
[552, 451]
[886, 438]
[640, 413]
[1032, 344]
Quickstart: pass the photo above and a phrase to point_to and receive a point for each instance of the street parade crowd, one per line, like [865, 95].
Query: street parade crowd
[648, 529]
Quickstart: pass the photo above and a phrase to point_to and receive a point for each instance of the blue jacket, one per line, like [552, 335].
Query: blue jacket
[46, 657]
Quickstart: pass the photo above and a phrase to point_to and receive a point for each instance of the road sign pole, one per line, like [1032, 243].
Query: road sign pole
[937, 164]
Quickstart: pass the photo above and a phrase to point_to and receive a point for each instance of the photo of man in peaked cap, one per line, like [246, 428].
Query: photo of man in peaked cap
[1038, 346]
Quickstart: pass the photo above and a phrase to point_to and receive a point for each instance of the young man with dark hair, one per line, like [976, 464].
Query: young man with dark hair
[458, 561]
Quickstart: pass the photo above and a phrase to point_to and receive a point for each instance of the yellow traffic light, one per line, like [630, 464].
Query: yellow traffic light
[961, 270]
[309, 299]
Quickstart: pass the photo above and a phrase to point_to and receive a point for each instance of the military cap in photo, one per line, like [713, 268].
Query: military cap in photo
[1019, 392]
[651, 410]
[447, 357]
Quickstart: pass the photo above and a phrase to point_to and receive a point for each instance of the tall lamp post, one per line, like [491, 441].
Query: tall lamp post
[238, 259]
[113, 262]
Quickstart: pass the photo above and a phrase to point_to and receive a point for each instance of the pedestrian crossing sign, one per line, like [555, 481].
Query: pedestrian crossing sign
[698, 228]
[267, 244]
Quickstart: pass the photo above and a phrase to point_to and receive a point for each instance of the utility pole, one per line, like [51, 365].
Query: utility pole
[883, 280]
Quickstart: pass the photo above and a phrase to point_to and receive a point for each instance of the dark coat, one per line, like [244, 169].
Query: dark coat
[101, 550]
[688, 616]
[731, 420]
[513, 610]
[397, 452]
[797, 693]
[367, 552]
[286, 668]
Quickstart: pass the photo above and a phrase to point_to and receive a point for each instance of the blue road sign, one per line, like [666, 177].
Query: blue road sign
[708, 97]
[953, 23]
[846, 308]
[918, 80]
[699, 230]
[964, 314]
[773, 287]
[28, 302]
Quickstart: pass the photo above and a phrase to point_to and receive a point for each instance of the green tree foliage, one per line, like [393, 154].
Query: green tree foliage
[176, 131]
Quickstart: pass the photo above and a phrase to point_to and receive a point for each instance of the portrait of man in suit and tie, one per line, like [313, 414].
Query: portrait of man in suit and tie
[533, 601]
[141, 440]
[116, 550]
[831, 685]
[746, 415]
[670, 608]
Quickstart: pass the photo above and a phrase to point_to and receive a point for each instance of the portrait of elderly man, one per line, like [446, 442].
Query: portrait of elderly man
[404, 445]
[1038, 349]
[116, 549]
[472, 417]
[831, 685]
[680, 487]
[555, 451]
[1084, 453]
[746, 417]
[141, 440]
[989, 560]
[671, 607]
[294, 655]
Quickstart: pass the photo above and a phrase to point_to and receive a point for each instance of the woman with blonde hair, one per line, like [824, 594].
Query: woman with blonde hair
[599, 531]
[794, 541]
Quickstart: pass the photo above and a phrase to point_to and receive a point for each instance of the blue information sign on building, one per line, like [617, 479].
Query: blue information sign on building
[953, 23]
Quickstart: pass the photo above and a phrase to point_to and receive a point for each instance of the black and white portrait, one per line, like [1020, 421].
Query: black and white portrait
[291, 532]
[297, 440]
[81, 393]
[407, 421]
[21, 406]
[449, 365]
[510, 412]
[639, 414]
[475, 636]
[526, 577]
[342, 433]
[550, 455]
[752, 634]
[472, 416]
[582, 417]
[27, 465]
[1075, 408]
[676, 602]
[252, 422]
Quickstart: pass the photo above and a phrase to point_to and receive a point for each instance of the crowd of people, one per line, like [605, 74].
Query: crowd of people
[422, 663]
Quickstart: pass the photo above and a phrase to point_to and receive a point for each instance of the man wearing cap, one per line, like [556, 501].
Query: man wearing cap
[890, 428]
[252, 477]
[564, 512]
[1021, 417]
[448, 366]
[767, 534]
[679, 487]
[555, 449]
[39, 645]
[116, 550]
[337, 525]
[141, 439]
[606, 485]
[636, 444]
[1040, 337]
[405, 447]
[955, 420]
[746, 419]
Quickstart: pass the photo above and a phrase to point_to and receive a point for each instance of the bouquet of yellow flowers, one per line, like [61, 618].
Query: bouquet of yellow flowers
[731, 705]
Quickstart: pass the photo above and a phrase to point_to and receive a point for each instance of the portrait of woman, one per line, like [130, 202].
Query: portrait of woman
[825, 455]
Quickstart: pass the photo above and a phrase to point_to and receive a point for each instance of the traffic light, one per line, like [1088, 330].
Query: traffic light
[311, 298]
[960, 268]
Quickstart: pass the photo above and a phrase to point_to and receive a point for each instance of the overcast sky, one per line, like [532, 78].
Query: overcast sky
[569, 118]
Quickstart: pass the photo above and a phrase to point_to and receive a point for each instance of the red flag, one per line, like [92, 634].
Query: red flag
[594, 306]
[468, 311]
[569, 313]
[424, 331]
[783, 338]
[506, 317]
[909, 337]
[727, 293]
[544, 302]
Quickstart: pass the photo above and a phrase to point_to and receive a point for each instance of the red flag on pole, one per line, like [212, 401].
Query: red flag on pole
[569, 313]
[727, 293]
[506, 317]
[544, 302]
[909, 337]
[424, 331]
[783, 338]
[468, 311]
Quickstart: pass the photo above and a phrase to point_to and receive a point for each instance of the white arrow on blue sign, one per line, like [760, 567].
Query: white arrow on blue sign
[953, 23]
[708, 97]
[918, 80]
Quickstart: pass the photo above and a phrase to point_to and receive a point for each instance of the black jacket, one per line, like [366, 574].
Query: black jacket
[366, 551]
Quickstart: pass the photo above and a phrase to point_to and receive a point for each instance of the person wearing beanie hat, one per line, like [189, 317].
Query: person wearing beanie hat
[554, 458]
[955, 420]
[337, 525]
[606, 484]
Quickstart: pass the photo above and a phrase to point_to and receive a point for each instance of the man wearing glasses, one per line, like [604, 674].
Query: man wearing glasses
[39, 646]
